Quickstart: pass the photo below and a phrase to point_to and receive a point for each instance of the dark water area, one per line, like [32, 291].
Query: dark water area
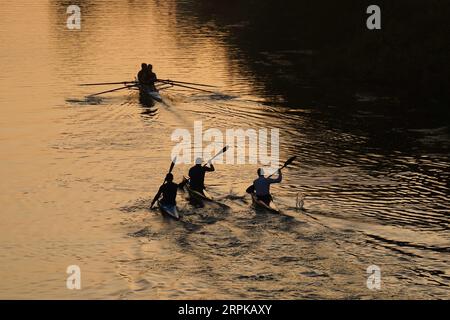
[389, 85]
[314, 52]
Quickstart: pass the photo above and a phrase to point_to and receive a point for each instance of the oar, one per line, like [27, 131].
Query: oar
[107, 83]
[172, 165]
[181, 85]
[224, 149]
[163, 86]
[250, 188]
[195, 84]
[121, 88]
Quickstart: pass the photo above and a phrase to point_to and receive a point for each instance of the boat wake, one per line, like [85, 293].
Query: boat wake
[85, 101]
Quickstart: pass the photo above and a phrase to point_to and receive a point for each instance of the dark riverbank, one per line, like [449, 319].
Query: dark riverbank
[307, 50]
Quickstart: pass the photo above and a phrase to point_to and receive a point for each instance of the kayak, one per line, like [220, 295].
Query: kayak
[259, 204]
[196, 195]
[201, 197]
[169, 210]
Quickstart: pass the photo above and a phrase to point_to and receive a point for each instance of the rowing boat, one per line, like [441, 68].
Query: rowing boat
[259, 204]
[149, 93]
[169, 210]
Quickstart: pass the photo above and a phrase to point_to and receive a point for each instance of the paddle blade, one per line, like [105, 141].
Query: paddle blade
[289, 161]
[224, 149]
[250, 189]
[172, 164]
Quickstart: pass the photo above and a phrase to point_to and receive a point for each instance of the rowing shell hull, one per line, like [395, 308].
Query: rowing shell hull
[149, 94]
[258, 204]
[169, 210]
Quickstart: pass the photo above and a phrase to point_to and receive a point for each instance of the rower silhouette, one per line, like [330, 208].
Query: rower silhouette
[151, 75]
[147, 77]
[143, 76]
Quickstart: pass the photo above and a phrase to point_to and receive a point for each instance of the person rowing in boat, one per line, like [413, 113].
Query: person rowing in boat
[197, 175]
[143, 75]
[168, 191]
[146, 77]
[261, 186]
[151, 75]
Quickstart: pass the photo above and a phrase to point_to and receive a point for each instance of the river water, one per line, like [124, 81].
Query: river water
[78, 175]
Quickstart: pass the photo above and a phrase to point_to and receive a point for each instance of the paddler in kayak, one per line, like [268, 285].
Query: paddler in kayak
[261, 186]
[197, 175]
[168, 191]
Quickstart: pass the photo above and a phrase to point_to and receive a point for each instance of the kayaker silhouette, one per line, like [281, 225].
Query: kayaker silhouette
[168, 191]
[197, 175]
[261, 186]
